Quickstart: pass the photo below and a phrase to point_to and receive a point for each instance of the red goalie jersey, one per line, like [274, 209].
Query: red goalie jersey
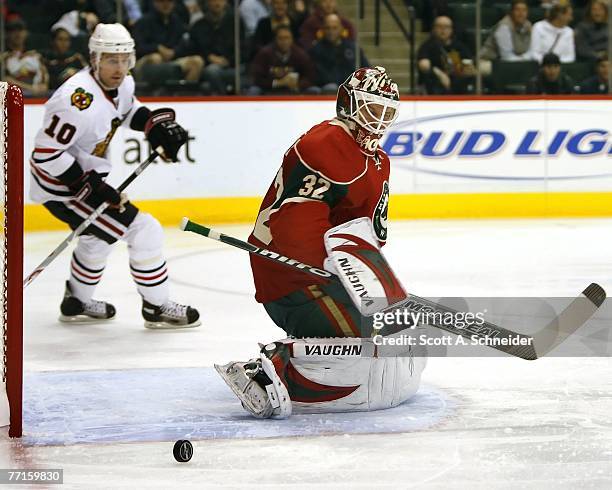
[325, 180]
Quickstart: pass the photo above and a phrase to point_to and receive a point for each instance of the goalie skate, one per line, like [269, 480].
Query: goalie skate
[169, 315]
[74, 310]
[260, 396]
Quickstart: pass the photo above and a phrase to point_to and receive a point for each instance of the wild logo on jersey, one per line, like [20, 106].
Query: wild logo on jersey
[379, 220]
[100, 149]
[81, 99]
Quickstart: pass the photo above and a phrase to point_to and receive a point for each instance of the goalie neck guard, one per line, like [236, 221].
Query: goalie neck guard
[368, 101]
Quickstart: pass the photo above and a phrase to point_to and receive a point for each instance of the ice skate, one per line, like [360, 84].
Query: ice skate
[259, 395]
[74, 310]
[170, 315]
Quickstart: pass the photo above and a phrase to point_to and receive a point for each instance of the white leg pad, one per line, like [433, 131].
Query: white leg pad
[376, 382]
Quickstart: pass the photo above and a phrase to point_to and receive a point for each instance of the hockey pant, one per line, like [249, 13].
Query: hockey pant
[143, 235]
[322, 310]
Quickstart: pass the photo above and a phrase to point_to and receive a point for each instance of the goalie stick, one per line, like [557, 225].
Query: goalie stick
[524, 346]
[90, 219]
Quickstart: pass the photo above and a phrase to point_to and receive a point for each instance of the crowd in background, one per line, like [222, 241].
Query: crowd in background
[535, 55]
[308, 46]
[285, 46]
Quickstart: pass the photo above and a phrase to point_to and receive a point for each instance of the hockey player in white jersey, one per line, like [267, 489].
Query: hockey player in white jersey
[68, 171]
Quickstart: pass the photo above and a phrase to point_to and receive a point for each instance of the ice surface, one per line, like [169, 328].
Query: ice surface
[194, 403]
[512, 423]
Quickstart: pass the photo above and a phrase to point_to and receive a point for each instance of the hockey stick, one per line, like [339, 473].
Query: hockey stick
[520, 345]
[90, 219]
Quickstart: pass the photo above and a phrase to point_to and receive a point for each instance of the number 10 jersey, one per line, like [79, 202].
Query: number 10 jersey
[80, 121]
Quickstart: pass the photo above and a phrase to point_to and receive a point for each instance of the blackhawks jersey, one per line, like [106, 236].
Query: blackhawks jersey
[80, 121]
[325, 180]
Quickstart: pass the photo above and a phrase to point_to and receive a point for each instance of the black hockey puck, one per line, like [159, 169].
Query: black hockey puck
[183, 450]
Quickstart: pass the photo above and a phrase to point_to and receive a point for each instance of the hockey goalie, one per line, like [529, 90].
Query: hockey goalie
[327, 207]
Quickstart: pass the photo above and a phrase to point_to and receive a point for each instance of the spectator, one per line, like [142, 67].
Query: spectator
[42, 14]
[193, 10]
[511, 37]
[312, 28]
[78, 24]
[157, 35]
[61, 61]
[334, 56]
[300, 10]
[187, 10]
[550, 80]
[25, 69]
[429, 10]
[212, 37]
[597, 84]
[592, 32]
[252, 11]
[281, 67]
[106, 10]
[554, 35]
[264, 33]
[133, 11]
[444, 64]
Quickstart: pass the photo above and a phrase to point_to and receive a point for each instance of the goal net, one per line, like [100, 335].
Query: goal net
[11, 255]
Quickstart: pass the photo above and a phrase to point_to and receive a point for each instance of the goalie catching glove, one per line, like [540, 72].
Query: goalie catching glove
[163, 131]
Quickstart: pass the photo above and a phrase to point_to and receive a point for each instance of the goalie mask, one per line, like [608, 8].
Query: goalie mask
[368, 101]
[113, 39]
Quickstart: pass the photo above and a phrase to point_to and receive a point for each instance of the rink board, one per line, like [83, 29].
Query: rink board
[139, 405]
[450, 158]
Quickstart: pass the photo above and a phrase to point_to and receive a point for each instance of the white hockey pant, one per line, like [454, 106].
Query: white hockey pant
[144, 238]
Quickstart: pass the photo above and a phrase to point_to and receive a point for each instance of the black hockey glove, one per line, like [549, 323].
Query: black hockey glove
[92, 190]
[162, 130]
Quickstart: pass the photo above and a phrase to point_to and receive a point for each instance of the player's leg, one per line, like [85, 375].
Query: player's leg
[319, 311]
[145, 238]
[324, 375]
[86, 270]
[88, 259]
[345, 375]
[266, 385]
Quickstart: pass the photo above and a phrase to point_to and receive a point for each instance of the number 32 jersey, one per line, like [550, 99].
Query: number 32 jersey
[325, 180]
[80, 121]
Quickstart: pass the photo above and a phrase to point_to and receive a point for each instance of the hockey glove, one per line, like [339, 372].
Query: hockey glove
[162, 130]
[92, 190]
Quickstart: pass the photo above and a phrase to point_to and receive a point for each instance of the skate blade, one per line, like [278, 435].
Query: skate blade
[83, 319]
[170, 326]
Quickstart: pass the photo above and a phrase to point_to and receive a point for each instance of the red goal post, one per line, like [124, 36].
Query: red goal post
[11, 150]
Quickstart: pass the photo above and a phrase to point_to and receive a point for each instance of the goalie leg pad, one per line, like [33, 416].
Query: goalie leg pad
[344, 375]
[354, 255]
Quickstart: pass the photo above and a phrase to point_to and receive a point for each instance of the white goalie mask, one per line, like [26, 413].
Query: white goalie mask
[111, 38]
[370, 99]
